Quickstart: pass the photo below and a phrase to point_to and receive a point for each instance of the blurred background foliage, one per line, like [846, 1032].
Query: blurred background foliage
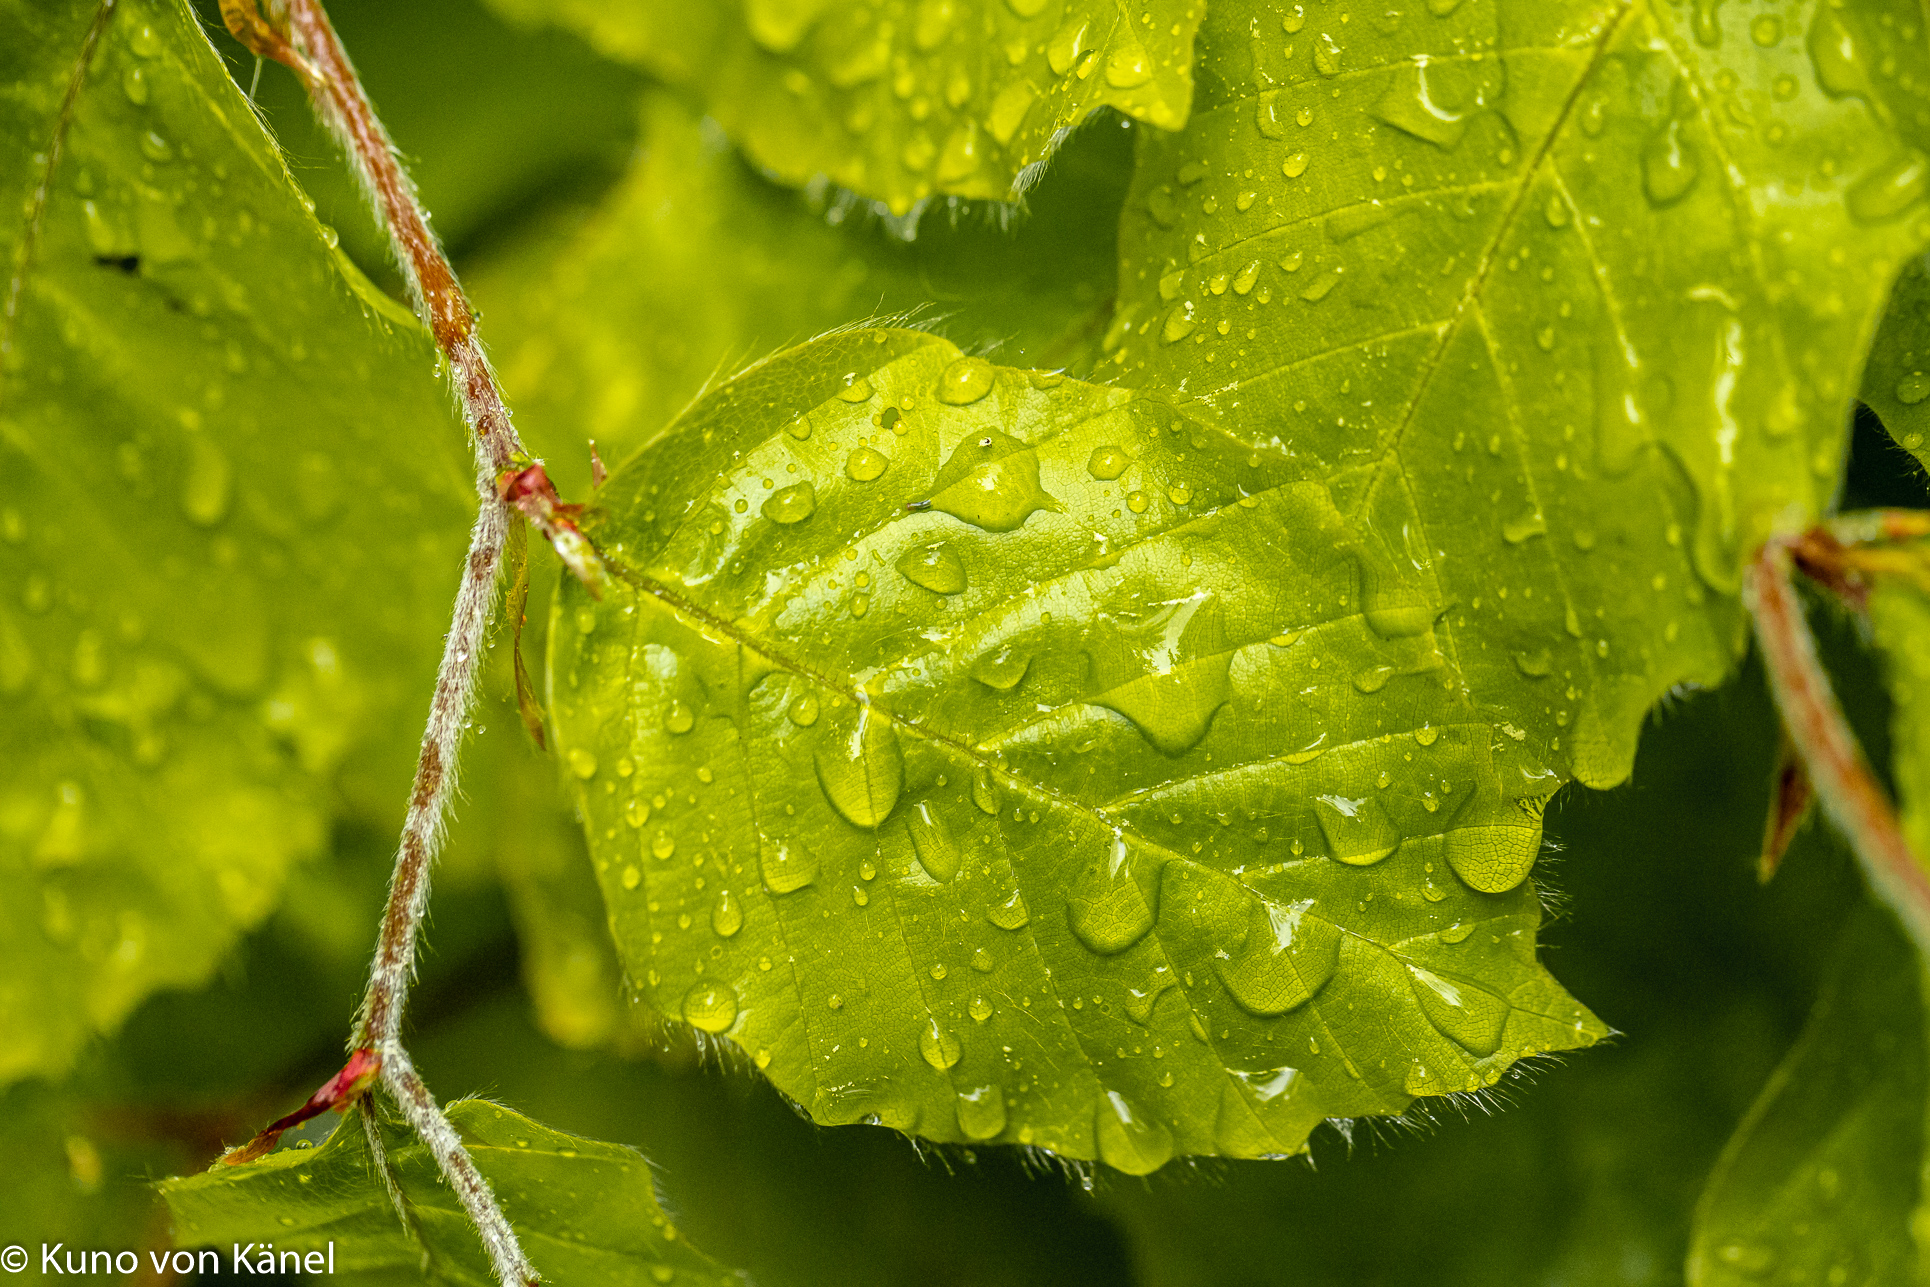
[545, 168]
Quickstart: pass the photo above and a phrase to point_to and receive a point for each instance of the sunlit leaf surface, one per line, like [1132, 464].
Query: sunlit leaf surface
[1002, 757]
[898, 100]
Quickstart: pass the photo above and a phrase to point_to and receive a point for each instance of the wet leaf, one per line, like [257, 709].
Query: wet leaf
[1821, 1179]
[1896, 379]
[217, 438]
[696, 265]
[899, 102]
[586, 1211]
[1002, 757]
[1576, 288]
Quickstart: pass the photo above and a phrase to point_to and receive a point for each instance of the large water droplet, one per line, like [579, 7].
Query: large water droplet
[208, 485]
[1669, 165]
[1129, 1140]
[1011, 914]
[791, 504]
[1472, 1017]
[1107, 463]
[1002, 668]
[936, 567]
[1173, 709]
[932, 841]
[991, 480]
[981, 1112]
[1326, 55]
[865, 464]
[786, 865]
[863, 771]
[1105, 907]
[965, 381]
[1890, 189]
[1495, 858]
[710, 1006]
[1359, 832]
[581, 762]
[1288, 954]
[1129, 66]
[727, 917]
[940, 1048]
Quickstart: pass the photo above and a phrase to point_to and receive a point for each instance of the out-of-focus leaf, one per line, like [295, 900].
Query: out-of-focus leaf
[1002, 757]
[1820, 1182]
[586, 1211]
[899, 101]
[695, 265]
[496, 121]
[236, 506]
[1896, 380]
[1579, 287]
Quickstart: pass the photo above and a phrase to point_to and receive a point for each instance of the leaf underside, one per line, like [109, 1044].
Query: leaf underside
[901, 101]
[204, 415]
[585, 1211]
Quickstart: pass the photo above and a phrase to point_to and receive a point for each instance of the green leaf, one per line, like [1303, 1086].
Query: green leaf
[1820, 1181]
[1896, 380]
[695, 264]
[1580, 285]
[217, 438]
[586, 1211]
[1002, 757]
[902, 102]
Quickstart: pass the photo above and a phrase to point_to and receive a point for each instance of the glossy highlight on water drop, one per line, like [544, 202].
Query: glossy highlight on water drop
[791, 504]
[710, 1006]
[935, 567]
[965, 381]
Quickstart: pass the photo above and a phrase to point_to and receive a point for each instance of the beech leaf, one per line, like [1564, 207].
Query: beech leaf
[900, 102]
[1002, 757]
[586, 1211]
[217, 439]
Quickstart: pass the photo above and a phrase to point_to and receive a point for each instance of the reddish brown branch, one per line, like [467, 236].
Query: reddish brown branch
[1830, 754]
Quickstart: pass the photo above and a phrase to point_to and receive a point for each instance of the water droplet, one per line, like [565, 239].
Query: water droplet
[134, 85]
[855, 389]
[787, 866]
[1524, 525]
[865, 464]
[940, 1048]
[932, 841]
[1295, 165]
[981, 1113]
[1286, 956]
[791, 504]
[1536, 664]
[1002, 668]
[208, 486]
[991, 480]
[1494, 858]
[582, 762]
[982, 961]
[710, 1006]
[1359, 832]
[1105, 906]
[664, 844]
[1174, 708]
[1129, 1140]
[636, 811]
[1766, 30]
[862, 773]
[936, 567]
[1011, 914]
[1891, 188]
[1066, 45]
[632, 877]
[679, 718]
[958, 161]
[1669, 166]
[1373, 678]
[1128, 67]
[727, 917]
[1913, 388]
[1470, 1016]
[980, 1009]
[1326, 55]
[804, 711]
[1107, 463]
[1008, 110]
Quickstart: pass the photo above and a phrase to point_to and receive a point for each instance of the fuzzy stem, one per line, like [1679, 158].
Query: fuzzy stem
[1844, 783]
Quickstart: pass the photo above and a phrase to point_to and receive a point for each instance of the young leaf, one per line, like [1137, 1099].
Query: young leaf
[235, 494]
[1580, 286]
[1820, 1181]
[695, 264]
[1896, 379]
[1002, 757]
[949, 97]
[586, 1211]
